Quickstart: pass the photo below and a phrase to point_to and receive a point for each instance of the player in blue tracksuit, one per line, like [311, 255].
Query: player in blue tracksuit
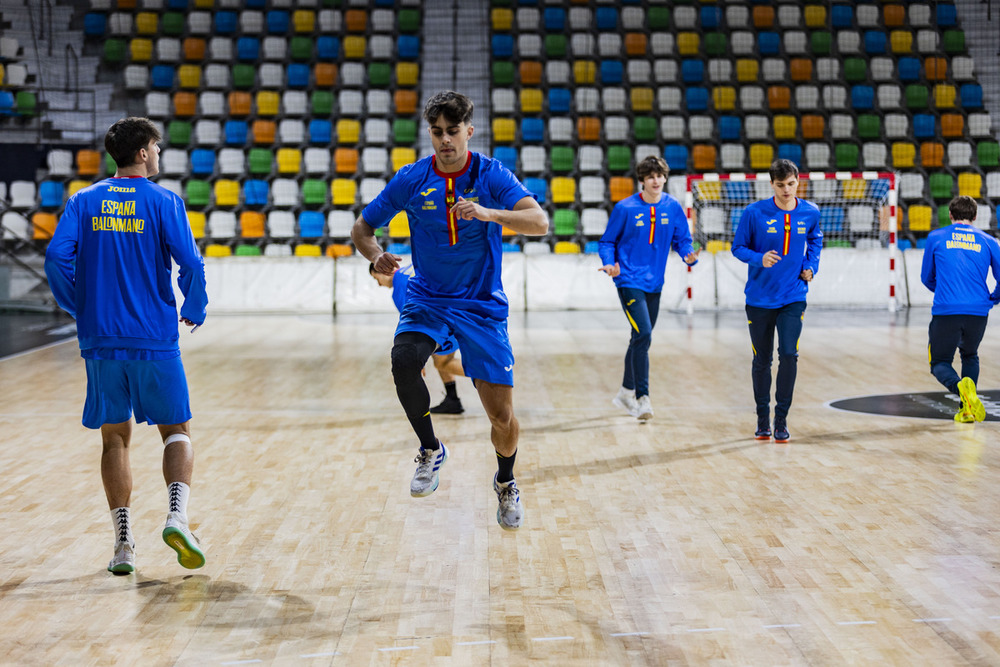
[634, 249]
[445, 360]
[457, 202]
[957, 261]
[780, 239]
[109, 266]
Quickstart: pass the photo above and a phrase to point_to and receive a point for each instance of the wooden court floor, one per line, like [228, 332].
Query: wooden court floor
[867, 540]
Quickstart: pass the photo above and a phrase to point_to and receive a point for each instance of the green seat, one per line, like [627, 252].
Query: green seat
[301, 49]
[953, 41]
[555, 46]
[916, 96]
[943, 217]
[114, 51]
[404, 131]
[645, 128]
[988, 154]
[408, 20]
[322, 103]
[715, 44]
[197, 193]
[110, 167]
[942, 186]
[820, 42]
[244, 75]
[658, 18]
[503, 73]
[26, 103]
[172, 24]
[565, 222]
[379, 74]
[260, 160]
[562, 158]
[619, 158]
[869, 126]
[313, 192]
[845, 156]
[332, 3]
[855, 69]
[179, 133]
[836, 243]
[244, 250]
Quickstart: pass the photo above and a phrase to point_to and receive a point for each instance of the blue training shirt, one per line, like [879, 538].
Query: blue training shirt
[109, 266]
[457, 262]
[795, 235]
[957, 259]
[640, 247]
[400, 281]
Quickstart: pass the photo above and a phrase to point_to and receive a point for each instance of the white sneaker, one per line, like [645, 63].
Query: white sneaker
[510, 514]
[179, 537]
[124, 560]
[625, 399]
[643, 408]
[425, 477]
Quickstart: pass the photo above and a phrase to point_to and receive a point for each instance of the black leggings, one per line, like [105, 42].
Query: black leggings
[410, 352]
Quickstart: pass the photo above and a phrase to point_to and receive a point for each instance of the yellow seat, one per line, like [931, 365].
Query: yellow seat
[747, 70]
[504, 130]
[642, 99]
[227, 192]
[710, 190]
[920, 218]
[944, 96]
[567, 248]
[399, 226]
[502, 19]
[761, 156]
[563, 190]
[197, 221]
[815, 16]
[715, 245]
[855, 188]
[584, 72]
[348, 131]
[218, 250]
[407, 74]
[147, 23]
[970, 185]
[784, 127]
[189, 76]
[304, 20]
[289, 160]
[688, 43]
[402, 156]
[901, 41]
[904, 155]
[724, 98]
[75, 186]
[344, 191]
[531, 100]
[355, 47]
[308, 250]
[141, 49]
[3, 73]
[204, 4]
[268, 103]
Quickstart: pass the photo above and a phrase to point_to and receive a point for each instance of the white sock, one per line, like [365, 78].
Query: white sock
[177, 498]
[121, 519]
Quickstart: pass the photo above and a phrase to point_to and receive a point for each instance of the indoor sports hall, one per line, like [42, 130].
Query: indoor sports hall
[869, 538]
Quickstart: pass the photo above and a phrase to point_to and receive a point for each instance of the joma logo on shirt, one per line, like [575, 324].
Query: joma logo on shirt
[427, 192]
[118, 188]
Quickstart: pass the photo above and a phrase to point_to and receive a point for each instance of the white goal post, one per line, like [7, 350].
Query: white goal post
[857, 210]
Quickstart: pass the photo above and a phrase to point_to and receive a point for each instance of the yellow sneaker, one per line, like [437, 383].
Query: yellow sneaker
[963, 416]
[970, 401]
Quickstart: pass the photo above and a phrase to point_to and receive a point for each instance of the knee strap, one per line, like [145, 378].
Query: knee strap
[176, 437]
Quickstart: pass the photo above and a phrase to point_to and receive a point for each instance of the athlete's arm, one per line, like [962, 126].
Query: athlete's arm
[364, 240]
[742, 240]
[60, 260]
[527, 217]
[927, 269]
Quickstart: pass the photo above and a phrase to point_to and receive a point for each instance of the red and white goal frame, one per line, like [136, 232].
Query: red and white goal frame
[887, 216]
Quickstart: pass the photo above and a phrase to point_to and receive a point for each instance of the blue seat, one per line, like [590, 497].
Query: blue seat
[408, 47]
[94, 24]
[738, 191]
[730, 128]
[909, 69]
[178, 5]
[612, 72]
[841, 16]
[676, 156]
[711, 17]
[692, 71]
[248, 48]
[903, 244]
[502, 46]
[277, 22]
[970, 96]
[255, 192]
[202, 161]
[297, 75]
[162, 77]
[606, 18]
[50, 194]
[311, 224]
[791, 152]
[385, 3]
[559, 100]
[6, 103]
[946, 17]
[862, 97]
[538, 187]
[734, 217]
[235, 132]
[769, 43]
[554, 19]
[924, 126]
[510, 247]
[327, 48]
[532, 130]
[320, 131]
[831, 219]
[875, 42]
[255, 4]
[592, 247]
[225, 22]
[398, 248]
[697, 99]
[507, 155]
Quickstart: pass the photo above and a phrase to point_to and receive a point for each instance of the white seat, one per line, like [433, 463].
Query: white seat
[536, 248]
[16, 226]
[231, 162]
[370, 188]
[919, 15]
[861, 218]
[374, 160]
[984, 216]
[897, 126]
[284, 192]
[592, 190]
[963, 68]
[613, 100]
[173, 162]
[849, 41]
[911, 186]
[835, 97]
[732, 157]
[609, 45]
[867, 16]
[700, 128]
[673, 128]
[959, 154]
[927, 41]
[220, 49]
[593, 221]
[120, 24]
[581, 45]
[752, 98]
[742, 43]
[251, 22]
[504, 100]
[685, 17]
[561, 129]
[617, 128]
[533, 159]
[207, 132]
[580, 19]
[291, 131]
[590, 158]
[796, 42]
[806, 97]
[59, 162]
[527, 18]
[662, 44]
[882, 68]
[841, 126]
[737, 15]
[817, 156]
[668, 99]
[378, 102]
[280, 225]
[639, 71]
[351, 102]
[529, 45]
[383, 20]
[979, 124]
[665, 71]
[339, 223]
[222, 224]
[136, 77]
[172, 184]
[756, 127]
[274, 48]
[330, 21]
[16, 75]
[642, 151]
[677, 187]
[212, 103]
[278, 249]
[720, 70]
[874, 155]
[353, 75]
[993, 185]
[22, 194]
[168, 50]
[157, 104]
[889, 96]
[9, 48]
[557, 72]
[712, 220]
[827, 69]
[295, 103]
[271, 76]
[317, 160]
[381, 47]
[774, 69]
[789, 16]
[586, 100]
[633, 18]
[377, 131]
[199, 23]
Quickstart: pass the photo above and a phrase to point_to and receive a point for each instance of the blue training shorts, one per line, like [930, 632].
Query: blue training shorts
[483, 341]
[155, 391]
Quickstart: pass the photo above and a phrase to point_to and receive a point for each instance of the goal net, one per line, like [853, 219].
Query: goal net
[857, 217]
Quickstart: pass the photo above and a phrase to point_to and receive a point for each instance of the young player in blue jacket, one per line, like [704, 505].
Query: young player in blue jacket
[457, 202]
[445, 359]
[634, 249]
[957, 260]
[109, 266]
[780, 239]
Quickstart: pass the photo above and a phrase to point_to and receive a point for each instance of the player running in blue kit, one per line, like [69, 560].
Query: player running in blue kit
[780, 239]
[445, 359]
[109, 266]
[457, 202]
[957, 260]
[634, 250]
